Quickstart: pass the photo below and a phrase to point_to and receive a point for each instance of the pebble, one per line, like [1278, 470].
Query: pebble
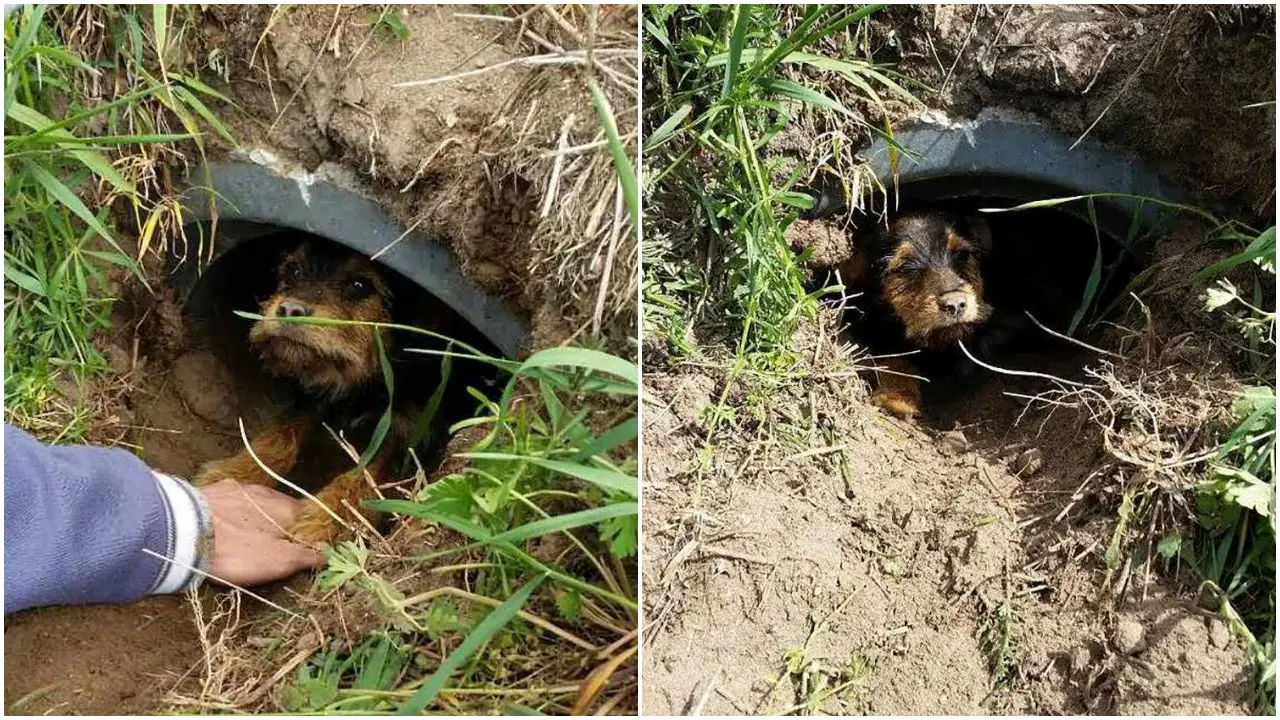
[1028, 463]
[353, 91]
[1130, 638]
[1219, 634]
[952, 442]
[1081, 659]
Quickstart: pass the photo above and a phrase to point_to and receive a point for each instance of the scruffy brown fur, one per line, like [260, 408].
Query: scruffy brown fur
[336, 366]
[925, 274]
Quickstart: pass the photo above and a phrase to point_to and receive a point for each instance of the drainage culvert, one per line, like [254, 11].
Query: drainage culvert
[228, 263]
[1069, 259]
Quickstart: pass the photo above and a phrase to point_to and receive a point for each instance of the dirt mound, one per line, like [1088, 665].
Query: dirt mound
[504, 162]
[836, 558]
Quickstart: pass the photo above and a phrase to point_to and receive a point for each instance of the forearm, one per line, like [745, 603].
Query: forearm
[81, 525]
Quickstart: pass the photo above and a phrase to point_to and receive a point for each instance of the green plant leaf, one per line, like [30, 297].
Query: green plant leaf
[667, 128]
[795, 91]
[742, 20]
[622, 534]
[621, 161]
[95, 161]
[559, 523]
[582, 358]
[608, 480]
[569, 604]
[623, 432]
[485, 631]
[22, 280]
[1170, 546]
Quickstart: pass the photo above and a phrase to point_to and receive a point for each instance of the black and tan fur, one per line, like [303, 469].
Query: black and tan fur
[924, 274]
[338, 378]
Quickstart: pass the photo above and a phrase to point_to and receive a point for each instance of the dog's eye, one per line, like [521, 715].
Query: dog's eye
[961, 256]
[359, 287]
[290, 272]
[910, 267]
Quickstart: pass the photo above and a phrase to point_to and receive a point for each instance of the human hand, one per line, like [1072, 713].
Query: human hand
[250, 546]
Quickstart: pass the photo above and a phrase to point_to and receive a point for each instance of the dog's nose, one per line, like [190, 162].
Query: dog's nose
[292, 308]
[952, 304]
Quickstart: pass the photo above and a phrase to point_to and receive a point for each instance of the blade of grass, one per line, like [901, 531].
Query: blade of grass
[483, 632]
[742, 20]
[621, 162]
[608, 480]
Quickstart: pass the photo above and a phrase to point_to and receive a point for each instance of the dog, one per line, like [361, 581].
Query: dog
[336, 374]
[924, 275]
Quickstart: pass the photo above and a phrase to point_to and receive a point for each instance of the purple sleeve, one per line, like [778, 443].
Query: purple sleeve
[76, 520]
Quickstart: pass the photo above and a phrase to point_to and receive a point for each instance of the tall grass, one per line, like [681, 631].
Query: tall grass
[70, 158]
[723, 93]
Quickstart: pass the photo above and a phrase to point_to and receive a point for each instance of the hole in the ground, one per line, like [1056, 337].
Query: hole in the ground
[246, 274]
[1041, 261]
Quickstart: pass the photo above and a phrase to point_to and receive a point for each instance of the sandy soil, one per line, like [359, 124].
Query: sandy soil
[887, 572]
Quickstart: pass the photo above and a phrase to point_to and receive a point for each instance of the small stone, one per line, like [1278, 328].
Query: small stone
[1028, 463]
[952, 442]
[481, 62]
[1081, 659]
[1219, 634]
[353, 91]
[1130, 638]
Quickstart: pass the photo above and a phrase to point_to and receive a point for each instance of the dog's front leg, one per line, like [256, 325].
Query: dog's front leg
[342, 495]
[897, 391]
[277, 447]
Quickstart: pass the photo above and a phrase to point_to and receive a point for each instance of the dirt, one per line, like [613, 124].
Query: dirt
[897, 565]
[812, 542]
[1170, 84]
[463, 161]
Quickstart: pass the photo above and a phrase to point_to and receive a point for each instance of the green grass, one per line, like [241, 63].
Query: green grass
[723, 93]
[1234, 547]
[68, 160]
[557, 457]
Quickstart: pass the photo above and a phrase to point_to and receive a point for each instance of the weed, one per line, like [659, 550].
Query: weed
[998, 638]
[68, 159]
[707, 148]
[1235, 550]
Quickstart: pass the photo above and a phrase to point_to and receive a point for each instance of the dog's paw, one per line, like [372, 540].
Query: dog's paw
[212, 472]
[898, 404]
[315, 526]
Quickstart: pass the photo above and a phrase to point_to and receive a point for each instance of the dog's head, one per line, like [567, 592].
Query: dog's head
[320, 281]
[929, 273]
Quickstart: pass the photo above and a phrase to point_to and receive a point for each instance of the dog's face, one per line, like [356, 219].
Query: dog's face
[319, 281]
[930, 275]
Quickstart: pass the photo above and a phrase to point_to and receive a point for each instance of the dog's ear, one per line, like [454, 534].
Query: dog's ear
[978, 230]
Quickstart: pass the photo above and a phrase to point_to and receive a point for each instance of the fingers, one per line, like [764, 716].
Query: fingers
[300, 557]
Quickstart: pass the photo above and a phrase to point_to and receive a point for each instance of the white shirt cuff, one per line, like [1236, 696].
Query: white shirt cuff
[190, 535]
